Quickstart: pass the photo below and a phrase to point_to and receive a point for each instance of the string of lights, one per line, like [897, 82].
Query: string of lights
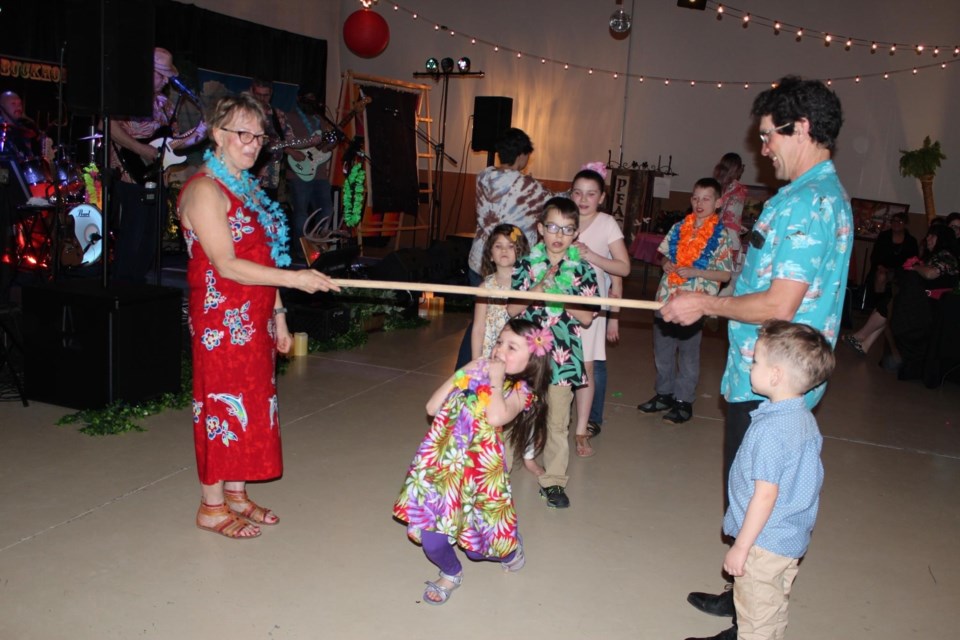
[722, 10]
[847, 42]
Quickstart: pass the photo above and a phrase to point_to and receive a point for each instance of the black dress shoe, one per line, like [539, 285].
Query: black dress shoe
[728, 634]
[715, 605]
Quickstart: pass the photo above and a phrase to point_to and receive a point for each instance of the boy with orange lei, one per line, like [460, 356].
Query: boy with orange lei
[697, 256]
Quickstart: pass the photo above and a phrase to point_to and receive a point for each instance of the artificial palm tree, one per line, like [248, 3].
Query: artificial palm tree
[922, 164]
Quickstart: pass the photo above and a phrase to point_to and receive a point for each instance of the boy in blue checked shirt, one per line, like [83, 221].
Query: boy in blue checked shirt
[555, 266]
[775, 480]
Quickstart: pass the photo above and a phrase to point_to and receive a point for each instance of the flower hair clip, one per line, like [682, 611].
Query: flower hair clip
[515, 235]
[599, 167]
[540, 341]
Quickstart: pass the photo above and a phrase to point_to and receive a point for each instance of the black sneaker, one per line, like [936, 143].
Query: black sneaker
[680, 413]
[555, 496]
[657, 403]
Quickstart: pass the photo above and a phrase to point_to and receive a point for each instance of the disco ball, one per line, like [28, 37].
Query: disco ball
[620, 21]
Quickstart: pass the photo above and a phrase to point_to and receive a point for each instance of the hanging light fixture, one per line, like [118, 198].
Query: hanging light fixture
[620, 20]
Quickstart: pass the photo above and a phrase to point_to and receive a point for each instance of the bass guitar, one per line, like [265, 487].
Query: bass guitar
[306, 169]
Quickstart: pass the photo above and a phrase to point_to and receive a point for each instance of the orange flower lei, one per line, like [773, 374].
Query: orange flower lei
[691, 243]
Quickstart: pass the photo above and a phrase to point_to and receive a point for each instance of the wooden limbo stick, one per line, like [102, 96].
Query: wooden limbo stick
[622, 303]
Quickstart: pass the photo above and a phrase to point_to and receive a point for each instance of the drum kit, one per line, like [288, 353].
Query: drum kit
[60, 224]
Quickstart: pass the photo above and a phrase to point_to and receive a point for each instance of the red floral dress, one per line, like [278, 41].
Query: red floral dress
[234, 341]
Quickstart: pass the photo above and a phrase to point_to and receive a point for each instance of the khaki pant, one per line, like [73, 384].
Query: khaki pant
[556, 450]
[762, 594]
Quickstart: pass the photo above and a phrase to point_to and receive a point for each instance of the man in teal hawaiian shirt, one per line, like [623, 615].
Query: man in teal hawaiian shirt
[555, 266]
[797, 261]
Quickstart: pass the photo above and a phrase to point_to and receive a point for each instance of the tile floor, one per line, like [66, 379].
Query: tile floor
[97, 538]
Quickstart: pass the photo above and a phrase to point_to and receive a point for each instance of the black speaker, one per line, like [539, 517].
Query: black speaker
[403, 265]
[337, 263]
[448, 261]
[322, 321]
[87, 346]
[492, 116]
[123, 31]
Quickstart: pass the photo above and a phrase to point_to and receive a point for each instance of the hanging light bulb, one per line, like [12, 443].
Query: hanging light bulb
[620, 21]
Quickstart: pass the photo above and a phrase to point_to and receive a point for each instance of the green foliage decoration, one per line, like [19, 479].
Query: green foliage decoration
[120, 417]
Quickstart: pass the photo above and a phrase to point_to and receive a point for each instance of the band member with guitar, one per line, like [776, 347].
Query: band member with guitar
[135, 156]
[308, 170]
[268, 167]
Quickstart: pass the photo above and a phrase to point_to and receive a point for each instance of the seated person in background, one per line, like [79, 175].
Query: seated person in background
[924, 278]
[893, 247]
[953, 221]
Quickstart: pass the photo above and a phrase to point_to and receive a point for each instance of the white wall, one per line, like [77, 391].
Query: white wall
[574, 117]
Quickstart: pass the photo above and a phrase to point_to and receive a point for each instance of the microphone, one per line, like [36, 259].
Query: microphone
[182, 88]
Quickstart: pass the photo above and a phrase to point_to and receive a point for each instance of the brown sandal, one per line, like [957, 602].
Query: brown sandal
[584, 450]
[253, 512]
[232, 526]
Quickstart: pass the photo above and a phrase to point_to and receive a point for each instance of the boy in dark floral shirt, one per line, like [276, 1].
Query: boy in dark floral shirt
[555, 266]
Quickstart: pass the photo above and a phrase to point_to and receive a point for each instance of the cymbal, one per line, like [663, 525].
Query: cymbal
[95, 136]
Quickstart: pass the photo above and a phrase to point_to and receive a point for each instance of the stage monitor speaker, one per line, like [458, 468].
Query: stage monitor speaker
[403, 265]
[492, 116]
[337, 263]
[448, 261]
[87, 346]
[123, 32]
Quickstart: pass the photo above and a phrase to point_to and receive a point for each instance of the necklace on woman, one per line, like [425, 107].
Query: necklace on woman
[246, 189]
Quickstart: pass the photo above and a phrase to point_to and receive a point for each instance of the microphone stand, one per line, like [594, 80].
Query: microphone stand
[60, 209]
[440, 147]
[161, 190]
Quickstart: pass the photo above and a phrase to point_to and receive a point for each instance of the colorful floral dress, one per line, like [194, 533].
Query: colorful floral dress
[458, 483]
[233, 337]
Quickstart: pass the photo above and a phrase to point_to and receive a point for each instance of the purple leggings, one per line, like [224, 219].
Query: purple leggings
[440, 552]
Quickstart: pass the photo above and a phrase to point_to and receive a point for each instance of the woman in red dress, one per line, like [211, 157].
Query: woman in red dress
[236, 240]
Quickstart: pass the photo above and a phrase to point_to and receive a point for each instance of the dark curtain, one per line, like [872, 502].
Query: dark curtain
[196, 37]
[392, 131]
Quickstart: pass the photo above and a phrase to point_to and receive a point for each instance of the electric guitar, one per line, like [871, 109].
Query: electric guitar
[143, 172]
[306, 169]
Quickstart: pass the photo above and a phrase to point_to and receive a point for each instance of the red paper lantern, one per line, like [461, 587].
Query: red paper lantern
[366, 33]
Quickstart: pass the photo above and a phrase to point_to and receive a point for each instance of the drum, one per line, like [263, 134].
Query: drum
[88, 229]
[67, 177]
[34, 172]
[37, 177]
